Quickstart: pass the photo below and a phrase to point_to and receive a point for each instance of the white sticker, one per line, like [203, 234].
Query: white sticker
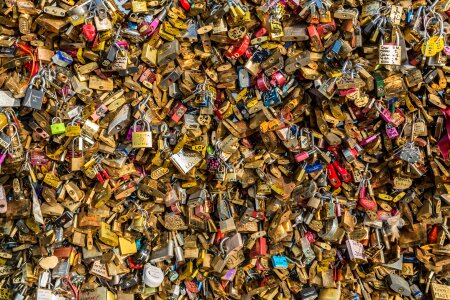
[390, 55]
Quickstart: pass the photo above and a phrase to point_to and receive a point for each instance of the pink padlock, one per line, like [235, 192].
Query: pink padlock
[148, 29]
[346, 92]
[391, 131]
[368, 203]
[278, 79]
[2, 157]
[299, 157]
[123, 44]
[364, 201]
[370, 139]
[262, 83]
[386, 115]
[99, 112]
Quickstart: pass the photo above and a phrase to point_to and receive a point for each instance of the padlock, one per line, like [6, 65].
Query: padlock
[390, 54]
[391, 131]
[33, 97]
[152, 275]
[167, 53]
[398, 284]
[77, 162]
[57, 126]
[102, 24]
[89, 30]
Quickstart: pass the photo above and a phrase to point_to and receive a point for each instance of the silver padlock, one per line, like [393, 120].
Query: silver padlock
[169, 79]
[163, 253]
[120, 120]
[34, 97]
[390, 54]
[398, 284]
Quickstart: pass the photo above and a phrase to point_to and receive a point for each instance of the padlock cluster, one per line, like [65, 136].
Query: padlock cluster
[239, 149]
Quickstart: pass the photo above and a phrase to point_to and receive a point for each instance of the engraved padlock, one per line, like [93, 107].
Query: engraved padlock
[141, 139]
[390, 54]
[220, 173]
[102, 24]
[34, 97]
[57, 126]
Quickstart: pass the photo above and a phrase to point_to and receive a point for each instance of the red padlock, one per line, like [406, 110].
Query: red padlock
[261, 32]
[263, 84]
[324, 28]
[432, 237]
[343, 173]
[185, 4]
[234, 52]
[89, 32]
[332, 176]
[177, 112]
[316, 42]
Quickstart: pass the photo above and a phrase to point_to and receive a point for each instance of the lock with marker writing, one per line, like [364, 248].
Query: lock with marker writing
[57, 126]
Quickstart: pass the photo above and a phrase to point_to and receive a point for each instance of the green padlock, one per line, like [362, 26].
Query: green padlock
[57, 127]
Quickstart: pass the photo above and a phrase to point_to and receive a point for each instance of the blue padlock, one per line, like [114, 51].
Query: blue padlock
[311, 168]
[279, 262]
[270, 98]
[331, 53]
[409, 15]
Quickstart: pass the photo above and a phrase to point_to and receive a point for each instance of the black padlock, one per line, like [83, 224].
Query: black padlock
[308, 293]
[129, 281]
[111, 56]
[65, 218]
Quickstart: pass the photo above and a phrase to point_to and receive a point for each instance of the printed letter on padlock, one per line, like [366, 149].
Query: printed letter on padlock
[33, 97]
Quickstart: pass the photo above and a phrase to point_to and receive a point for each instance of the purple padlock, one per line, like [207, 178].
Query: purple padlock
[3, 157]
[131, 130]
[447, 50]
[391, 131]
[213, 164]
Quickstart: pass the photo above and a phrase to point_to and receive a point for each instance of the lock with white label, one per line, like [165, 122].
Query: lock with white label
[390, 54]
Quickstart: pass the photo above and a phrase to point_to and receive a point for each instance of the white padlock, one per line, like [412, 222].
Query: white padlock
[153, 276]
[390, 54]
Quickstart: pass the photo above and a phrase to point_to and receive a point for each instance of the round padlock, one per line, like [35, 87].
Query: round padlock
[152, 276]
